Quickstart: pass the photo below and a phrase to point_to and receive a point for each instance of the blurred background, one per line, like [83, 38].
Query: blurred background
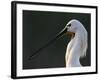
[39, 27]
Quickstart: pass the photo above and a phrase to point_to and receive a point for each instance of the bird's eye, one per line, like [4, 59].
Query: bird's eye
[69, 25]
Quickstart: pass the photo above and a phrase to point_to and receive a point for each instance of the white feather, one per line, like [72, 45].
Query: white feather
[77, 47]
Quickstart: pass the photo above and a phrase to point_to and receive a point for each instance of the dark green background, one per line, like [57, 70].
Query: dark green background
[39, 28]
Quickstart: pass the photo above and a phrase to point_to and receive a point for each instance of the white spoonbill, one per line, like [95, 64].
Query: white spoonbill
[77, 46]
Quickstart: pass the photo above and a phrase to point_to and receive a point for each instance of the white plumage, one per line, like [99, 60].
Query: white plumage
[77, 46]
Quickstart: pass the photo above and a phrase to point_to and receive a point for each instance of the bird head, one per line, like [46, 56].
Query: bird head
[71, 28]
[74, 26]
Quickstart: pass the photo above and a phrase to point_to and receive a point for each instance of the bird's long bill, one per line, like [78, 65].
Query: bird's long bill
[59, 35]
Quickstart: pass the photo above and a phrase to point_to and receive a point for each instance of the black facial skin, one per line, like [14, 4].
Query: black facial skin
[69, 25]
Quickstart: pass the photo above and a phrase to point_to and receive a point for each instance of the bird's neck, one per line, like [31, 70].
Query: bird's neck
[72, 58]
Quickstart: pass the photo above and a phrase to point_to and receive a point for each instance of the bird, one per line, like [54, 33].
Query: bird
[77, 46]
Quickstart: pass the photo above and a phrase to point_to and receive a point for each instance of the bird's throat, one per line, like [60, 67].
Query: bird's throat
[71, 34]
